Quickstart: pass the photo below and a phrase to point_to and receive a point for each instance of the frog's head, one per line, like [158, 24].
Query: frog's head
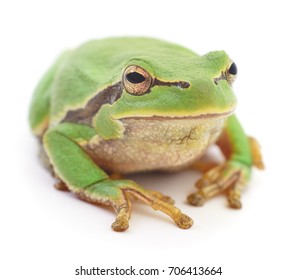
[182, 86]
[173, 82]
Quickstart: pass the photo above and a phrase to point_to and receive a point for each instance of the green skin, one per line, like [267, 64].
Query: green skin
[81, 74]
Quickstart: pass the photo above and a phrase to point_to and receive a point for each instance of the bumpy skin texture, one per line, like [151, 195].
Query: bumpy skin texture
[91, 124]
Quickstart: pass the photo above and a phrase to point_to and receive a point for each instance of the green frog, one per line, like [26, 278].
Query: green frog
[126, 105]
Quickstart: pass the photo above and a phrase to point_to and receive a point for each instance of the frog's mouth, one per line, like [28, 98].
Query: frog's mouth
[206, 116]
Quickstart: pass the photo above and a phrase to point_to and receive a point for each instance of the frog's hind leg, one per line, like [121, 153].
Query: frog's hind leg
[84, 178]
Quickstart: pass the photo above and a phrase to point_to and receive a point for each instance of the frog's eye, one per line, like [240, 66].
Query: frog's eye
[231, 73]
[136, 80]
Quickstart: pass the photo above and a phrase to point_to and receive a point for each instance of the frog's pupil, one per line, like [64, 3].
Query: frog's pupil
[135, 78]
[232, 69]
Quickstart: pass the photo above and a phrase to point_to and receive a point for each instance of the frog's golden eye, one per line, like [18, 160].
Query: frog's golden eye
[231, 73]
[136, 80]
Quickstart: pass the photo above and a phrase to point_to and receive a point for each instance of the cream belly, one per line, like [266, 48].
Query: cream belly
[156, 144]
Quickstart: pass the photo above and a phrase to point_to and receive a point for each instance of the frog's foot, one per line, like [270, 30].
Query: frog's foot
[116, 193]
[229, 177]
[61, 186]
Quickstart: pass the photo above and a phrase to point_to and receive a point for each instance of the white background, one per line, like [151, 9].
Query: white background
[47, 234]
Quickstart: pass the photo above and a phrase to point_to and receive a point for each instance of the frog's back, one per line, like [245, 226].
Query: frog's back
[80, 74]
[40, 104]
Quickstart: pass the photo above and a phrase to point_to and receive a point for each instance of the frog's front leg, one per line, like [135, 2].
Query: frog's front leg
[83, 177]
[241, 152]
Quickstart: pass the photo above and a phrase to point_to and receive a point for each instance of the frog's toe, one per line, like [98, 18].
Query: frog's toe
[234, 199]
[120, 225]
[196, 199]
[61, 186]
[235, 204]
[163, 197]
[183, 221]
[123, 215]
[168, 199]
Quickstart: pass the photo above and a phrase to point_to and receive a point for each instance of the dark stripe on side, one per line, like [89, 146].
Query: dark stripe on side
[85, 115]
[180, 84]
[108, 96]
